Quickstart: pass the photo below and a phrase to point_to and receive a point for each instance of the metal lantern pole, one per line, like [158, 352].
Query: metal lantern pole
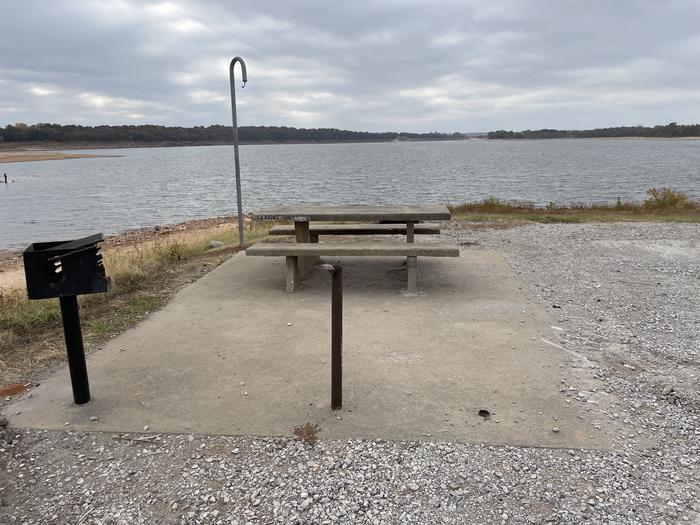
[235, 141]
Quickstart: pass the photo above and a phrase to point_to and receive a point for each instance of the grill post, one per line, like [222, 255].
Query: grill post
[74, 346]
[337, 338]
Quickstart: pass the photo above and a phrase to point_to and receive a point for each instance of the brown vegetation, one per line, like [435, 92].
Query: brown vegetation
[307, 433]
[662, 205]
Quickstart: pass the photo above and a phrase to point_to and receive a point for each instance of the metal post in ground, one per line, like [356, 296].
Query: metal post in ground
[336, 271]
[235, 142]
[74, 346]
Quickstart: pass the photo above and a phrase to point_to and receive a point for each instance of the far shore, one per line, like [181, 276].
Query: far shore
[34, 151]
[43, 147]
[590, 138]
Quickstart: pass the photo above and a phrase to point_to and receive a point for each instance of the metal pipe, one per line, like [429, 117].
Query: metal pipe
[337, 338]
[235, 141]
[74, 346]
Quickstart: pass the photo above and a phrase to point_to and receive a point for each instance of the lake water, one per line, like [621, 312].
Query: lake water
[150, 186]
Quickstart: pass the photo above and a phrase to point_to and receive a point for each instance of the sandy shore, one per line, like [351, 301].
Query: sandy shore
[32, 155]
[12, 271]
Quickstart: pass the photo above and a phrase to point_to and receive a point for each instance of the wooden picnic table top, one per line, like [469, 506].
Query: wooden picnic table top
[408, 213]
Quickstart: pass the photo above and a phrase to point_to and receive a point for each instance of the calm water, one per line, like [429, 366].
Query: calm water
[149, 186]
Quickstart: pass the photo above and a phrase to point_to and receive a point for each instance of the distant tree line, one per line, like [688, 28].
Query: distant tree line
[669, 130]
[149, 134]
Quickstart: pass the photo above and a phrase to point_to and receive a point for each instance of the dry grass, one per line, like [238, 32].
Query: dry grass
[144, 276]
[662, 205]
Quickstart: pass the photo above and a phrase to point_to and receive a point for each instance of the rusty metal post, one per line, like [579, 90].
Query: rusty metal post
[336, 337]
[336, 272]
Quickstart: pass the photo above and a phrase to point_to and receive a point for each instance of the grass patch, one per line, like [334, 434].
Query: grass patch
[662, 205]
[144, 278]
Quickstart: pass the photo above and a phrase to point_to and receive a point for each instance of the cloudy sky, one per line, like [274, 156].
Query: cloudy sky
[363, 65]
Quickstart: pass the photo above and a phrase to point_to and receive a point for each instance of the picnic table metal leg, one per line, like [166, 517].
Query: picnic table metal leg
[412, 273]
[313, 261]
[292, 274]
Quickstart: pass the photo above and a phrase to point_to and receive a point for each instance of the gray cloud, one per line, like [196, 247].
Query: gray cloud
[391, 65]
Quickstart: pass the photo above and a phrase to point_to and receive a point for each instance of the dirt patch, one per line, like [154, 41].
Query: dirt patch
[13, 389]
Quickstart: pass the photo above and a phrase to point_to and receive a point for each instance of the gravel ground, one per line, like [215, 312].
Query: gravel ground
[625, 298]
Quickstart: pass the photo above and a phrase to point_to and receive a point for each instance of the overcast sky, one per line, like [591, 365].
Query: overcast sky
[363, 65]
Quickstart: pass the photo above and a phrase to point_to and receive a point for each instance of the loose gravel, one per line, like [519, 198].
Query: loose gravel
[630, 309]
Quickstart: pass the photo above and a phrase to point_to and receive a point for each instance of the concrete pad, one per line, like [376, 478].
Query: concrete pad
[416, 367]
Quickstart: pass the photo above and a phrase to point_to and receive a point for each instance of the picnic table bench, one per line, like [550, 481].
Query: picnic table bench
[294, 251]
[356, 229]
[301, 256]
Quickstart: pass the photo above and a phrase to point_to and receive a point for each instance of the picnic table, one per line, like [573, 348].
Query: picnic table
[406, 220]
[302, 215]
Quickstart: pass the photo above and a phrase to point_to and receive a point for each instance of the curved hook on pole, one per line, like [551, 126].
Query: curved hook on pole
[244, 73]
[235, 142]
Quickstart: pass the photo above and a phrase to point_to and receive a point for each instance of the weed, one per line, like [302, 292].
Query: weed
[668, 199]
[175, 251]
[307, 433]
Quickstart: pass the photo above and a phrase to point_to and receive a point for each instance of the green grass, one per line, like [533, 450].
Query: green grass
[21, 316]
[662, 205]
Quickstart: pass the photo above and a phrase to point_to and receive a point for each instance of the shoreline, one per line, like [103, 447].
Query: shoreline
[51, 151]
[56, 146]
[12, 273]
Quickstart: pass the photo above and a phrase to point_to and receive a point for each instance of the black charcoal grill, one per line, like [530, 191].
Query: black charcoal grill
[66, 269]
